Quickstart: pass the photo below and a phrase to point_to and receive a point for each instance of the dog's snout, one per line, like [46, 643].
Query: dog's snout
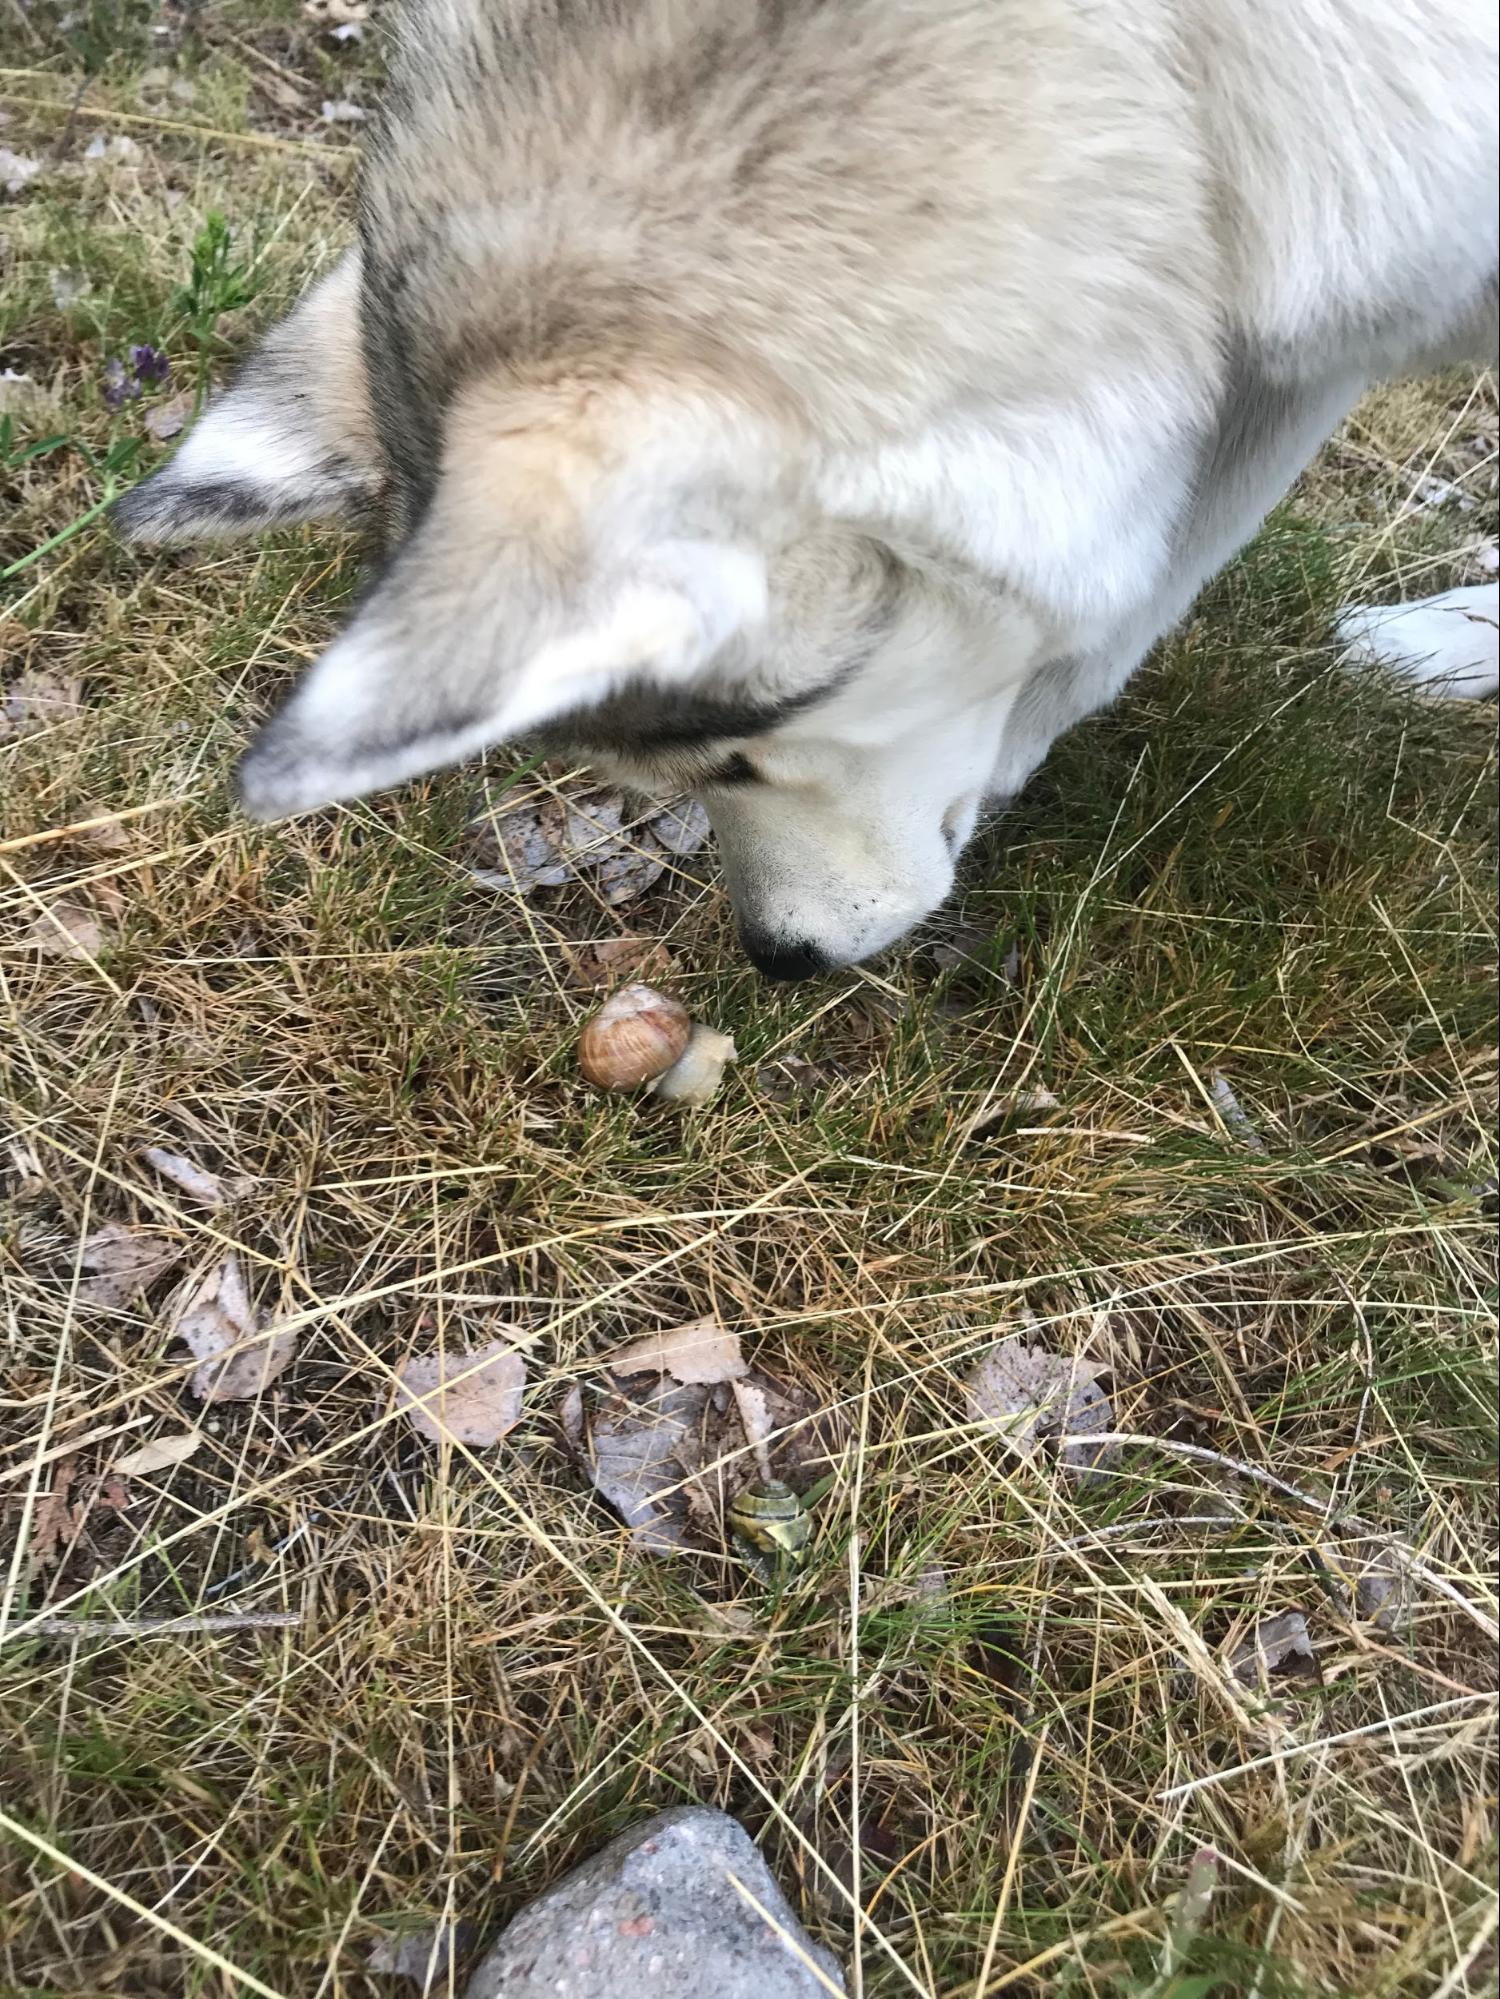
[782, 960]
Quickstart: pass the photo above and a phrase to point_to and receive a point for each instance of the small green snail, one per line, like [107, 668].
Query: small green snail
[771, 1517]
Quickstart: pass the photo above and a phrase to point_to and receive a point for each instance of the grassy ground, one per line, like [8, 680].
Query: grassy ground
[1008, 1730]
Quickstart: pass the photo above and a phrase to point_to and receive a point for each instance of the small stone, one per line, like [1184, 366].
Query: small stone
[658, 1912]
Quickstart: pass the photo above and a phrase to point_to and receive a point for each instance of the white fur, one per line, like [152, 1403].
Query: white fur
[1448, 644]
[244, 441]
[1051, 300]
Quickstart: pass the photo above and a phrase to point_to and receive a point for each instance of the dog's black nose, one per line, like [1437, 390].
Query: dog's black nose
[781, 960]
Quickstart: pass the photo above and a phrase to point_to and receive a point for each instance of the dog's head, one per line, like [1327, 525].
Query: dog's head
[627, 561]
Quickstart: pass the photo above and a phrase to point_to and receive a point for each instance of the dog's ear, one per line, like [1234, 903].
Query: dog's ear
[290, 440]
[517, 601]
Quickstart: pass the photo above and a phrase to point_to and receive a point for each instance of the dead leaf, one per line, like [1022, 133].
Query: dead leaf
[108, 837]
[1027, 1395]
[1035, 1102]
[339, 111]
[159, 1455]
[483, 1402]
[1278, 1648]
[757, 1422]
[38, 700]
[1228, 1105]
[122, 1262]
[737, 1620]
[701, 1351]
[68, 287]
[425, 1957]
[26, 1166]
[286, 96]
[116, 149]
[17, 170]
[67, 930]
[22, 395]
[670, 1457]
[53, 1521]
[165, 420]
[1373, 1575]
[585, 836]
[217, 1320]
[634, 1463]
[611, 961]
[682, 828]
[184, 1173]
[966, 946]
[570, 1417]
[114, 1495]
[790, 1077]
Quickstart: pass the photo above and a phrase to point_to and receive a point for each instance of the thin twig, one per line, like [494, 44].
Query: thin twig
[51, 833]
[266, 141]
[164, 1627]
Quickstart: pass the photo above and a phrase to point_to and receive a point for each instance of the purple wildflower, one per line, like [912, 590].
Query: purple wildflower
[150, 366]
[116, 386]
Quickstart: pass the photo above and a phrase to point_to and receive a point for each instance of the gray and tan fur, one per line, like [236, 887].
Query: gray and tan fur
[824, 403]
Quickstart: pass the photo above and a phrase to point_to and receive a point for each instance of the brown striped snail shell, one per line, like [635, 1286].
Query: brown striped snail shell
[771, 1517]
[635, 1037]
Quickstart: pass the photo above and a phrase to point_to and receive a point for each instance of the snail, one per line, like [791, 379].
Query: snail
[771, 1517]
[640, 1036]
[635, 1037]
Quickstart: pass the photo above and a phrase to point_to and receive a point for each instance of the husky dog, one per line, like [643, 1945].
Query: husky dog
[822, 404]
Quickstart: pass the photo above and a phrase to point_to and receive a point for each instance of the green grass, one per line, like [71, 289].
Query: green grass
[1254, 866]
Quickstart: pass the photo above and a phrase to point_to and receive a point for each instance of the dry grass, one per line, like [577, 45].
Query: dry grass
[994, 1703]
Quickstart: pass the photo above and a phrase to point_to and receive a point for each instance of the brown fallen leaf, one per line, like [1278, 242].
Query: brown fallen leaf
[186, 1174]
[1374, 1576]
[37, 699]
[1230, 1109]
[218, 1319]
[1027, 1395]
[425, 1958]
[570, 1417]
[670, 1456]
[482, 1402]
[121, 1262]
[1008, 1108]
[633, 1461]
[701, 1351]
[166, 420]
[159, 1455]
[114, 1495]
[1278, 1648]
[107, 837]
[622, 961]
[790, 1077]
[54, 1521]
[757, 1422]
[682, 828]
[17, 169]
[67, 930]
[586, 836]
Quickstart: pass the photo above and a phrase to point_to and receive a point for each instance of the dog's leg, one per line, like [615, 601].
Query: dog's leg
[1448, 644]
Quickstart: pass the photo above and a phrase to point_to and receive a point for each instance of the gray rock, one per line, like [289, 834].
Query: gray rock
[656, 1914]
